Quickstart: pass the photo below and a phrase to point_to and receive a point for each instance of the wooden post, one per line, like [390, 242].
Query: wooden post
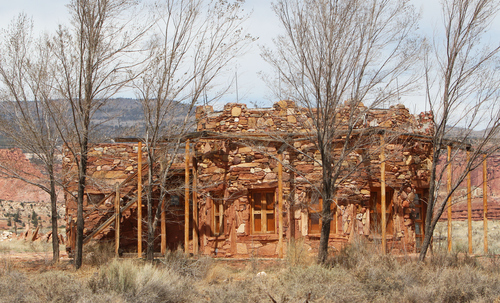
[139, 199]
[71, 235]
[280, 205]
[469, 205]
[485, 205]
[382, 193]
[195, 211]
[449, 198]
[163, 229]
[117, 218]
[186, 199]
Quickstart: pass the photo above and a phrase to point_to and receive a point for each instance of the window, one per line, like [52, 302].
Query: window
[314, 220]
[418, 216]
[263, 213]
[175, 200]
[376, 211]
[218, 214]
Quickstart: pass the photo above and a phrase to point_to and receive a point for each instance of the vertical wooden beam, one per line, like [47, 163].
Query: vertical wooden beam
[449, 198]
[70, 236]
[163, 229]
[280, 205]
[139, 199]
[186, 199]
[195, 211]
[485, 204]
[117, 218]
[382, 193]
[469, 205]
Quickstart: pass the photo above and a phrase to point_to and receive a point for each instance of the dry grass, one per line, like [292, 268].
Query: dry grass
[460, 236]
[357, 274]
[20, 246]
[298, 254]
[97, 254]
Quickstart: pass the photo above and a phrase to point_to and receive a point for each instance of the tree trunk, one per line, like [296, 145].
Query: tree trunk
[53, 204]
[323, 241]
[79, 213]
[429, 228]
[326, 215]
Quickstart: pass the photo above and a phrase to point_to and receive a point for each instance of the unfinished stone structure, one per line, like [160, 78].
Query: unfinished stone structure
[253, 180]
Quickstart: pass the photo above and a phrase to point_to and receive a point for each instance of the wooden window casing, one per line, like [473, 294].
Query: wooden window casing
[217, 215]
[375, 208]
[314, 217]
[419, 219]
[263, 212]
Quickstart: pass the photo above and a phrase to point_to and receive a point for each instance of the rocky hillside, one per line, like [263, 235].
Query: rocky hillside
[19, 201]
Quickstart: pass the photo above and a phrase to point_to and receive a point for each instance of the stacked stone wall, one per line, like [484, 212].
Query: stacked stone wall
[238, 167]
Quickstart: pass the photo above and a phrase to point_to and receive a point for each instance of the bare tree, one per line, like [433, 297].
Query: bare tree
[463, 92]
[96, 58]
[26, 95]
[194, 42]
[336, 51]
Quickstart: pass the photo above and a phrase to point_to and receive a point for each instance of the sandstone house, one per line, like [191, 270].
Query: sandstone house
[251, 179]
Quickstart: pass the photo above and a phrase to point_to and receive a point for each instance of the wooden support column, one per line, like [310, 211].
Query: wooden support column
[485, 205]
[71, 236]
[449, 198]
[117, 218]
[469, 206]
[280, 205]
[139, 199]
[186, 200]
[195, 211]
[163, 229]
[382, 193]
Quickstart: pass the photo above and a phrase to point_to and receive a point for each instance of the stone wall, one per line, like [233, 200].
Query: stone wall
[236, 167]
[109, 164]
[285, 116]
[235, 162]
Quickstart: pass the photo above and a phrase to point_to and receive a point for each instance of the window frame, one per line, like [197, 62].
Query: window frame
[217, 211]
[314, 211]
[419, 203]
[264, 211]
[375, 209]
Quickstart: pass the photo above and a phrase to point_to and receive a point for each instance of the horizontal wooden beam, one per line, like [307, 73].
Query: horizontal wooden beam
[108, 221]
[129, 178]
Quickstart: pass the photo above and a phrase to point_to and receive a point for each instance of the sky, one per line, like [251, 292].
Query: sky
[263, 24]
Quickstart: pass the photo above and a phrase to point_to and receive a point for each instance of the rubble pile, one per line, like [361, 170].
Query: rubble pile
[31, 235]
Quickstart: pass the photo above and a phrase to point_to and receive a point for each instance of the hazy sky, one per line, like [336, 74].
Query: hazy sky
[47, 14]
